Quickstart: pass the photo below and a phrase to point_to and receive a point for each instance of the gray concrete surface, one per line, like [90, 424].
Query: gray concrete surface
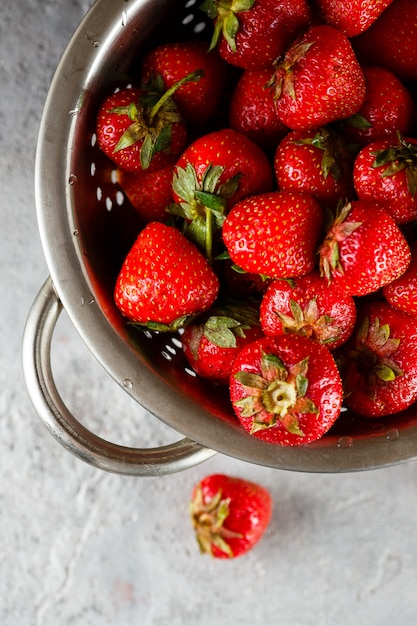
[80, 547]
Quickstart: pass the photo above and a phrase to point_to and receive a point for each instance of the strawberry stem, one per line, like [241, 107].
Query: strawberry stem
[209, 235]
[193, 77]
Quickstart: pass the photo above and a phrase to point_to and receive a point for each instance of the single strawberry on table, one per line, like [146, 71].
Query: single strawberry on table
[197, 102]
[385, 171]
[308, 306]
[274, 234]
[364, 249]
[252, 109]
[213, 173]
[212, 342]
[141, 128]
[315, 161]
[319, 80]
[253, 33]
[229, 515]
[164, 280]
[286, 390]
[379, 361]
[388, 108]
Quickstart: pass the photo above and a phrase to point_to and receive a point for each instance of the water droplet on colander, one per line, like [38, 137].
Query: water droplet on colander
[392, 434]
[127, 383]
[76, 232]
[345, 442]
[124, 18]
[72, 179]
[96, 43]
[73, 112]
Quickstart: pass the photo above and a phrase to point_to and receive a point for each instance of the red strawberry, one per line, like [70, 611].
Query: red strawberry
[364, 249]
[402, 292]
[252, 109]
[352, 17]
[274, 234]
[198, 101]
[385, 171]
[229, 515]
[388, 108]
[317, 162]
[286, 390]
[164, 280]
[141, 129]
[253, 33]
[379, 361]
[211, 343]
[391, 40]
[213, 173]
[149, 193]
[319, 80]
[308, 306]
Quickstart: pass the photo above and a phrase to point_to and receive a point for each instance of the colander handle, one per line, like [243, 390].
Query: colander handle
[66, 429]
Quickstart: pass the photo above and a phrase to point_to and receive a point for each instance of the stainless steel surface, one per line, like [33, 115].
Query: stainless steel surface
[67, 430]
[79, 216]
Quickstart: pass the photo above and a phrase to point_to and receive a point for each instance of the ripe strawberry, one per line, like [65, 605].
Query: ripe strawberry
[317, 162]
[274, 234]
[141, 129]
[229, 515]
[390, 41]
[364, 249]
[388, 108]
[402, 292]
[252, 109]
[212, 342]
[379, 361]
[253, 33]
[319, 80]
[286, 390]
[149, 193]
[352, 17]
[308, 306]
[164, 280]
[213, 173]
[385, 171]
[197, 101]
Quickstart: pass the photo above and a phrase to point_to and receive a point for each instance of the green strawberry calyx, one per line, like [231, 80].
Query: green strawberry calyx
[208, 520]
[226, 22]
[309, 322]
[276, 394]
[202, 203]
[152, 117]
[282, 80]
[330, 144]
[373, 356]
[228, 322]
[179, 322]
[340, 229]
[398, 158]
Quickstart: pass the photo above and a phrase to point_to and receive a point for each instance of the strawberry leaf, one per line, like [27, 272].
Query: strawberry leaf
[359, 121]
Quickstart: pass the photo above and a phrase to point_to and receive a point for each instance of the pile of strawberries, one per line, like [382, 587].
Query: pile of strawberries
[275, 172]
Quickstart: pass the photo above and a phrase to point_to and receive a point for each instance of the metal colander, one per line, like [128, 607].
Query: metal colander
[86, 229]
